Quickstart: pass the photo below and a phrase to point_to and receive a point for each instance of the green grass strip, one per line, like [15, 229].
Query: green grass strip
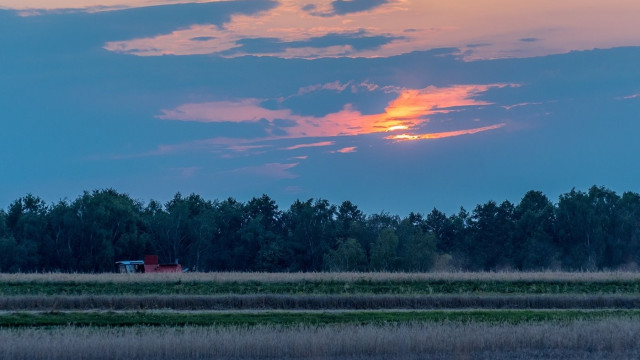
[119, 319]
[321, 287]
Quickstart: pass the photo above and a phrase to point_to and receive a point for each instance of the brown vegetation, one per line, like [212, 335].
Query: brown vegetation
[619, 339]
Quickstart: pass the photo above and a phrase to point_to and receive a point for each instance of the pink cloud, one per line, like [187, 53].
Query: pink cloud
[350, 149]
[440, 135]
[317, 144]
[445, 25]
[224, 111]
[411, 108]
[43, 7]
[245, 148]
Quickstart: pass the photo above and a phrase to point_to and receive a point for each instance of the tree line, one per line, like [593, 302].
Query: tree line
[596, 229]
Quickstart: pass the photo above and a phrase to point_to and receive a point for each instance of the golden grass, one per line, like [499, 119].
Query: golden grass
[603, 276]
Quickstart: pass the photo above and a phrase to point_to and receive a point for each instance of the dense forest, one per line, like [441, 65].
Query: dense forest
[597, 229]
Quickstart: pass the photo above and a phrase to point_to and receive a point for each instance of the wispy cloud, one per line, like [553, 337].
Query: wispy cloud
[334, 85]
[383, 28]
[224, 111]
[343, 7]
[346, 150]
[633, 96]
[509, 107]
[186, 172]
[446, 134]
[317, 144]
[41, 7]
[410, 109]
[270, 170]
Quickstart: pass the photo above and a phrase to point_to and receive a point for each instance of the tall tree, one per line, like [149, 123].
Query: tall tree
[107, 229]
[625, 245]
[534, 242]
[348, 256]
[261, 235]
[311, 233]
[585, 221]
[384, 252]
[350, 223]
[490, 246]
[417, 249]
[27, 224]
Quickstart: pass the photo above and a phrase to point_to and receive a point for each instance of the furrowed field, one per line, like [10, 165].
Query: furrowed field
[320, 315]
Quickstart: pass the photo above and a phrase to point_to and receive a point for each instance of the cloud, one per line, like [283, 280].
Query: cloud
[270, 170]
[346, 150]
[286, 29]
[85, 31]
[317, 144]
[344, 7]
[509, 107]
[446, 134]
[286, 32]
[334, 86]
[245, 148]
[410, 109]
[343, 43]
[224, 111]
[204, 39]
[186, 172]
[40, 7]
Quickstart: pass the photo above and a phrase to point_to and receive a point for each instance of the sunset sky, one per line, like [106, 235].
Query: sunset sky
[395, 105]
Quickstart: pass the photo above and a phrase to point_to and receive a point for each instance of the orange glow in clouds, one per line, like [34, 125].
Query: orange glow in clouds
[440, 135]
[410, 109]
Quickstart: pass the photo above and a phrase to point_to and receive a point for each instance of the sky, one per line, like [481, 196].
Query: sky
[395, 105]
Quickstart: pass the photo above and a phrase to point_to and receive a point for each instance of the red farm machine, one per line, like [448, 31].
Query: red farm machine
[148, 265]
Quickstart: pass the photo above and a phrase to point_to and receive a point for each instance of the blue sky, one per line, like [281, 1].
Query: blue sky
[396, 105]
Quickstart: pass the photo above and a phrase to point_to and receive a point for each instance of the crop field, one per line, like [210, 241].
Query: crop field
[321, 316]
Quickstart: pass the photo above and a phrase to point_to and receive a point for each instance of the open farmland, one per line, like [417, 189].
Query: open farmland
[253, 315]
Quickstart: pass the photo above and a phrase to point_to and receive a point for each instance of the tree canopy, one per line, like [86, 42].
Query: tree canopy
[596, 229]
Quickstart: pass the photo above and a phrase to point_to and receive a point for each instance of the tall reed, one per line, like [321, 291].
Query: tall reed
[612, 338]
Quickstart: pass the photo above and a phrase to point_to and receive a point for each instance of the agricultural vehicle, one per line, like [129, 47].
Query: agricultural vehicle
[148, 265]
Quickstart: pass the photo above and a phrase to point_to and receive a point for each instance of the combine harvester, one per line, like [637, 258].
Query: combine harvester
[149, 265]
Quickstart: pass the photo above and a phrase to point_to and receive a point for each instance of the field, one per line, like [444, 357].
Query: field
[320, 316]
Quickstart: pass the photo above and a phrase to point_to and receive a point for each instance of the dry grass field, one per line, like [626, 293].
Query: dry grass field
[503, 315]
[606, 339]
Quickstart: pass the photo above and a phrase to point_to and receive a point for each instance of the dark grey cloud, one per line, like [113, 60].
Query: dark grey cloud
[529, 39]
